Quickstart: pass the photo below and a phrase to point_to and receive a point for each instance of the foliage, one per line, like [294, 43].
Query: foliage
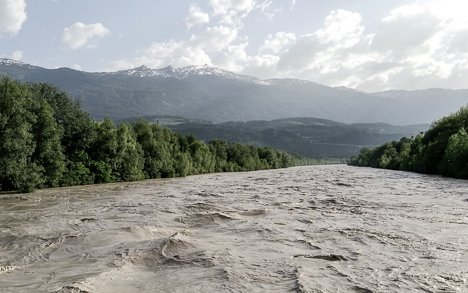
[46, 140]
[443, 149]
[310, 137]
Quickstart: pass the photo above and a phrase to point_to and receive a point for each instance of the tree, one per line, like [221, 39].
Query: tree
[455, 162]
[443, 149]
[202, 158]
[47, 134]
[130, 162]
[17, 170]
[46, 140]
[78, 127]
[104, 152]
[219, 150]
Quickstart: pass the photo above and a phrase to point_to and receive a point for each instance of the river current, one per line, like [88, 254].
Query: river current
[304, 229]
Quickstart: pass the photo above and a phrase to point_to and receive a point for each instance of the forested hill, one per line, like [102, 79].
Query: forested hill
[213, 94]
[443, 149]
[46, 140]
[311, 137]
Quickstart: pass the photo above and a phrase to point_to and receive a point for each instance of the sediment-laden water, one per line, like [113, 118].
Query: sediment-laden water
[305, 229]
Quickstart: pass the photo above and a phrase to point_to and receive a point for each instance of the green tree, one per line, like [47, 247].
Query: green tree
[47, 134]
[202, 158]
[47, 140]
[157, 157]
[17, 170]
[78, 170]
[219, 150]
[455, 162]
[78, 127]
[104, 152]
[130, 161]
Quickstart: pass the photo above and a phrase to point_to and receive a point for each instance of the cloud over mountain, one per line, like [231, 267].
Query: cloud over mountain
[196, 16]
[12, 16]
[415, 46]
[81, 35]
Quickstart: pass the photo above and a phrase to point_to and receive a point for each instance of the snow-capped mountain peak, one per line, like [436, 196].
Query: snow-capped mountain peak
[141, 71]
[8, 61]
[188, 72]
[198, 70]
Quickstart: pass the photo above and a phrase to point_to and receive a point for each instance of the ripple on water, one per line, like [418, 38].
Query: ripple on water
[305, 229]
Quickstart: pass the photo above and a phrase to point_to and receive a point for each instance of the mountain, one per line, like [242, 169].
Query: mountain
[213, 94]
[311, 137]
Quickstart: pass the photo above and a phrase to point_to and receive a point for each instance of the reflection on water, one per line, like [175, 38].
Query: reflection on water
[305, 229]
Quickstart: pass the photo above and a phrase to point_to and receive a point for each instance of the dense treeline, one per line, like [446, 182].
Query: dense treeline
[46, 140]
[311, 137]
[443, 150]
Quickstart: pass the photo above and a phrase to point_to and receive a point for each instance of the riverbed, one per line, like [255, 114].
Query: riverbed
[304, 229]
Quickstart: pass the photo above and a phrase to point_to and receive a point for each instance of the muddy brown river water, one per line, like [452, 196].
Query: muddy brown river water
[305, 229]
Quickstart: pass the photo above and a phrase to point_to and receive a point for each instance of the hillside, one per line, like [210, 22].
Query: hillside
[212, 94]
[311, 137]
[443, 150]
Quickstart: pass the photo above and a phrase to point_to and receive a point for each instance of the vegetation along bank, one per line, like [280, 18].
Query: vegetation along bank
[47, 140]
[443, 150]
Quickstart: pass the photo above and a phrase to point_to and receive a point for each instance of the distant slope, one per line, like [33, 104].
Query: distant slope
[312, 137]
[443, 150]
[430, 104]
[205, 93]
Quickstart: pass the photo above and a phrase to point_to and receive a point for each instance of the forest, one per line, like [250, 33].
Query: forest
[442, 150]
[47, 140]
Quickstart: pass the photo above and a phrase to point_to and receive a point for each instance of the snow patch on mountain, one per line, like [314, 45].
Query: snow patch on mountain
[141, 71]
[8, 61]
[188, 72]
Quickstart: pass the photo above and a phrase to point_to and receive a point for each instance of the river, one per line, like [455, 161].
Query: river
[305, 229]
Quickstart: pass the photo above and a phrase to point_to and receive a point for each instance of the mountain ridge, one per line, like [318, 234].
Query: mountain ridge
[184, 71]
[312, 137]
[214, 94]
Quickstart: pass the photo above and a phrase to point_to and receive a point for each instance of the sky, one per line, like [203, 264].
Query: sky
[369, 45]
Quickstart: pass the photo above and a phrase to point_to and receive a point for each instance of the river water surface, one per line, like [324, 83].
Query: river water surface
[304, 229]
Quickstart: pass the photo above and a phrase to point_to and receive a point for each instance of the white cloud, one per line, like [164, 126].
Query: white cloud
[214, 38]
[12, 16]
[329, 49]
[341, 28]
[200, 49]
[218, 44]
[292, 4]
[81, 35]
[231, 12]
[173, 53]
[278, 42]
[224, 6]
[459, 41]
[262, 66]
[415, 46]
[120, 65]
[233, 57]
[407, 28]
[427, 43]
[17, 55]
[268, 8]
[196, 16]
